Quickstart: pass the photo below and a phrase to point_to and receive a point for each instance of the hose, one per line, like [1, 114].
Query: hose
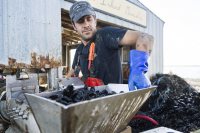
[139, 116]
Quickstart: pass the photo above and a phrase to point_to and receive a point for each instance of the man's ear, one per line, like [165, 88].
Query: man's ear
[74, 26]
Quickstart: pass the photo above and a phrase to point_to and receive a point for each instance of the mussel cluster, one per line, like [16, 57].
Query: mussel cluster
[175, 104]
[69, 95]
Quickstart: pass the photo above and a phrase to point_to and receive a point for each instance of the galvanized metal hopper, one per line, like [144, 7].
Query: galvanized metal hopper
[102, 115]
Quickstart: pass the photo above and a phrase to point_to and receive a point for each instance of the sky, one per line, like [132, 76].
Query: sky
[181, 37]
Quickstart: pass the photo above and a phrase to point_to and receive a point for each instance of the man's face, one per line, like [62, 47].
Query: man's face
[86, 27]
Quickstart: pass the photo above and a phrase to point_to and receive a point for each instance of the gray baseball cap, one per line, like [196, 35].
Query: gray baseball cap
[80, 9]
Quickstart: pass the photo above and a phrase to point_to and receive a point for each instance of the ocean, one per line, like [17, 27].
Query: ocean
[192, 72]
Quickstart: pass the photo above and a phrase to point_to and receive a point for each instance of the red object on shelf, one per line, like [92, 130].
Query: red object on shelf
[92, 82]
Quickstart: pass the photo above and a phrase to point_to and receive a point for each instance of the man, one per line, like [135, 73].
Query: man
[107, 41]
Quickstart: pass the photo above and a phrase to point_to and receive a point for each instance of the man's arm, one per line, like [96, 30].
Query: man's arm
[140, 41]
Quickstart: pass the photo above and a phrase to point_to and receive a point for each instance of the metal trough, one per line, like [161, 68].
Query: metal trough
[102, 115]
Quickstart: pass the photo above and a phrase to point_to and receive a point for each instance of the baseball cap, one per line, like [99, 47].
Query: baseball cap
[80, 9]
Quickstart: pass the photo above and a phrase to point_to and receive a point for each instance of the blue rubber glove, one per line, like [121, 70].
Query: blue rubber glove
[138, 68]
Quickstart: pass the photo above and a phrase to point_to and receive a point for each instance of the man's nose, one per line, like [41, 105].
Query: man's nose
[86, 23]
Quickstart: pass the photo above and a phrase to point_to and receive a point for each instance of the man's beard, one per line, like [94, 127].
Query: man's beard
[86, 38]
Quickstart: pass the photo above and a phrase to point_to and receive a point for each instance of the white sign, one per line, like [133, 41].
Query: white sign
[121, 8]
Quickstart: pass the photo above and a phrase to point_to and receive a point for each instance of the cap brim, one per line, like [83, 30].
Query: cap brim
[81, 14]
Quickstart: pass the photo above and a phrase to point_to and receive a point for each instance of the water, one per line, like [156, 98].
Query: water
[184, 71]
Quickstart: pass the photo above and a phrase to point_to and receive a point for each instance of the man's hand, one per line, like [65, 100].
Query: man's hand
[138, 68]
[143, 44]
[70, 73]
